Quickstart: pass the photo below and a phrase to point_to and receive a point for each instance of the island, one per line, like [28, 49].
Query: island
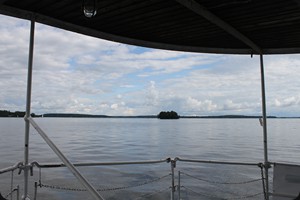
[168, 115]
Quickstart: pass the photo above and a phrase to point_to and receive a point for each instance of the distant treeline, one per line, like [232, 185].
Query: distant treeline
[161, 115]
[72, 115]
[7, 113]
[227, 116]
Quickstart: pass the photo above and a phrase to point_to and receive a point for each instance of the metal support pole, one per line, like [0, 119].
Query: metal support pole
[35, 190]
[264, 113]
[173, 165]
[11, 184]
[179, 186]
[28, 106]
[18, 190]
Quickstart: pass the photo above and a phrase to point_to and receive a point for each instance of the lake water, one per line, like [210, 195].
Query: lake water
[115, 139]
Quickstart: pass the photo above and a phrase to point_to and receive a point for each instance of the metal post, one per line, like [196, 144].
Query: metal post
[28, 106]
[173, 165]
[35, 190]
[263, 95]
[11, 184]
[179, 186]
[18, 190]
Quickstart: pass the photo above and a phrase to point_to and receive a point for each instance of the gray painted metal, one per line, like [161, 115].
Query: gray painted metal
[173, 165]
[216, 162]
[179, 185]
[265, 132]
[11, 168]
[54, 165]
[28, 108]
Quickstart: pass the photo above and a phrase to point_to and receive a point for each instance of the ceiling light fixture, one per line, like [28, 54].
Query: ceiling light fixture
[89, 8]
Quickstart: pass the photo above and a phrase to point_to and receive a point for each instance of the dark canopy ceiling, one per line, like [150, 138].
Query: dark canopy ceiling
[210, 26]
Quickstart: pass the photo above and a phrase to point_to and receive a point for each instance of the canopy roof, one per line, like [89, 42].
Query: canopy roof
[208, 26]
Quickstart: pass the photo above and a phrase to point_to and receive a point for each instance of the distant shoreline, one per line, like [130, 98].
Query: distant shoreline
[70, 115]
[16, 114]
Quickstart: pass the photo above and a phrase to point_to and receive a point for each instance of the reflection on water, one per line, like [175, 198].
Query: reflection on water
[101, 140]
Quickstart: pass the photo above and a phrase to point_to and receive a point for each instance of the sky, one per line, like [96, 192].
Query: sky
[73, 73]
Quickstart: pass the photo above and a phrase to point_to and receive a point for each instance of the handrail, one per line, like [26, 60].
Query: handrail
[166, 160]
[283, 195]
[217, 162]
[90, 164]
[11, 168]
[53, 165]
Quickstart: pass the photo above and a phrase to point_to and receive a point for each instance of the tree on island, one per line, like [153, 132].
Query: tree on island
[168, 115]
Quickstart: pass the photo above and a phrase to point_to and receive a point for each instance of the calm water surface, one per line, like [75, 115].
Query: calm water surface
[101, 140]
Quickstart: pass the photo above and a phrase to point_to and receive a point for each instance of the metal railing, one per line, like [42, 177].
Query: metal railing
[208, 181]
[13, 188]
[174, 187]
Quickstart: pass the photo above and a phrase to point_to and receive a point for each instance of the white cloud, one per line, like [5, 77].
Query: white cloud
[152, 95]
[287, 102]
[114, 106]
[200, 106]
